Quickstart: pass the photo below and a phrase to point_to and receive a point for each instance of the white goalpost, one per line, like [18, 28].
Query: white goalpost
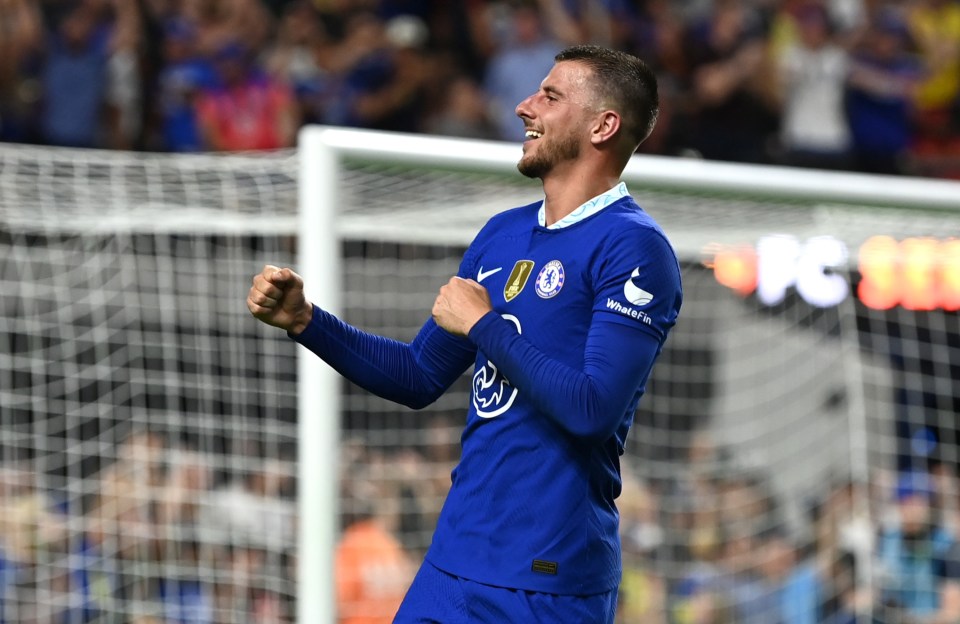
[164, 455]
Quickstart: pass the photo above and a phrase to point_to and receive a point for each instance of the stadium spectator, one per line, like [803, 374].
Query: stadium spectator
[21, 39]
[289, 57]
[692, 504]
[245, 109]
[120, 531]
[695, 595]
[383, 74]
[297, 57]
[576, 21]
[643, 591]
[32, 537]
[221, 22]
[399, 104]
[758, 578]
[255, 510]
[843, 535]
[441, 452]
[934, 27]
[935, 147]
[463, 112]
[812, 74]
[189, 476]
[90, 79]
[240, 589]
[124, 78]
[184, 73]
[788, 589]
[656, 33]
[919, 560]
[181, 592]
[520, 62]
[373, 571]
[734, 116]
[947, 496]
[142, 456]
[838, 599]
[882, 79]
[747, 501]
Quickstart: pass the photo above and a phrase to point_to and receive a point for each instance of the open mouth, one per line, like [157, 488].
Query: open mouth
[533, 134]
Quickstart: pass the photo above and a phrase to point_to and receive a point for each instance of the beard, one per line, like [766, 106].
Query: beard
[548, 155]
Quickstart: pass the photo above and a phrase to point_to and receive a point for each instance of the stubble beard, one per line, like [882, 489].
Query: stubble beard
[547, 156]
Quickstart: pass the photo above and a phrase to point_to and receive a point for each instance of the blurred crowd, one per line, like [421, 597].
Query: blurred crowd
[168, 532]
[868, 85]
[162, 534]
[714, 542]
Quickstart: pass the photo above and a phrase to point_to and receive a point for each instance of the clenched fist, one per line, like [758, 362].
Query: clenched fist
[276, 298]
[460, 304]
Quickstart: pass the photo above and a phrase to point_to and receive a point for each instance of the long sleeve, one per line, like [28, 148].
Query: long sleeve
[413, 374]
[588, 403]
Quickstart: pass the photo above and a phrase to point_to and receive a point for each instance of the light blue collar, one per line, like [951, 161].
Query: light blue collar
[586, 209]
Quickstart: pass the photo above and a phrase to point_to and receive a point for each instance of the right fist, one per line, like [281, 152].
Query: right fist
[276, 298]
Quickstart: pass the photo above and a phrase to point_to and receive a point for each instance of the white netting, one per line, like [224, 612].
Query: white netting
[148, 428]
[148, 424]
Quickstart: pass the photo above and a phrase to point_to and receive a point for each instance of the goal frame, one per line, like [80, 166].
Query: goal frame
[322, 150]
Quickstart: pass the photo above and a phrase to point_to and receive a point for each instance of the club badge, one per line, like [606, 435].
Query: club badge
[550, 280]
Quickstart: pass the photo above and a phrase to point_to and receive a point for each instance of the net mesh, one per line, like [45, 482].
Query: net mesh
[148, 429]
[148, 424]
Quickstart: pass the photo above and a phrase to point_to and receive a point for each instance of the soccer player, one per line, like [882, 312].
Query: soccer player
[562, 306]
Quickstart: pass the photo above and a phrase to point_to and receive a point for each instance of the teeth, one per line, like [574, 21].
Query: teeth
[533, 134]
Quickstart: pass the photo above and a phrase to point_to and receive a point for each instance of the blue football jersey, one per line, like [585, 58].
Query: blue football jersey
[531, 505]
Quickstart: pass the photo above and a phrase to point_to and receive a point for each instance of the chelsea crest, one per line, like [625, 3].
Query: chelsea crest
[550, 279]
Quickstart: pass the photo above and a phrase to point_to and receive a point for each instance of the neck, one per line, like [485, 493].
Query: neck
[565, 191]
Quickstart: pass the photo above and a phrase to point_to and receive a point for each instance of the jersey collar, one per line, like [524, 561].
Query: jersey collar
[586, 209]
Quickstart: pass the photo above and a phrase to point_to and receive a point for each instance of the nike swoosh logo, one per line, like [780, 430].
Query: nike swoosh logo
[482, 276]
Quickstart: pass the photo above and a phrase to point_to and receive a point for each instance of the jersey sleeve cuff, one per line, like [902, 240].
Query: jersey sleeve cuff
[311, 330]
[482, 327]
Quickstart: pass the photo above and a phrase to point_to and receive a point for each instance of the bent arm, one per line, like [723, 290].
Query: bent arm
[588, 403]
[413, 374]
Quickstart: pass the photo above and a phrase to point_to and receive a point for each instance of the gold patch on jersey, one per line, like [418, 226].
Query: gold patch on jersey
[518, 279]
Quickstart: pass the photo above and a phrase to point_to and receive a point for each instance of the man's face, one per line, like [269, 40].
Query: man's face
[914, 513]
[557, 119]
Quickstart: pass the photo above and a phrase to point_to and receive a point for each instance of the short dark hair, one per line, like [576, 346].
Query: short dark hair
[624, 83]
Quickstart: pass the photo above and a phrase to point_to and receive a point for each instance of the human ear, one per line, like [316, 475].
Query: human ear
[605, 127]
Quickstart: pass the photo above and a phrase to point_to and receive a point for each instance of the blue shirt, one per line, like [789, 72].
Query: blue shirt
[580, 311]
[882, 123]
[912, 576]
[179, 83]
[512, 76]
[75, 84]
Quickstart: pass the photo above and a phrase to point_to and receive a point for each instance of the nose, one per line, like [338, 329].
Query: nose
[525, 109]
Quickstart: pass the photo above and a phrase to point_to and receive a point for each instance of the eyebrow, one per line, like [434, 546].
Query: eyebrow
[551, 90]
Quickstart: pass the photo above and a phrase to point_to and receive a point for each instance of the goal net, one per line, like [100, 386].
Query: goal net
[164, 457]
[147, 427]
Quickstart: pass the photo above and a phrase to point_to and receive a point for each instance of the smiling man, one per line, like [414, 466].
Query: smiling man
[562, 306]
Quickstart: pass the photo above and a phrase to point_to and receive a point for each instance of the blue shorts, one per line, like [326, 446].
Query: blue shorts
[436, 597]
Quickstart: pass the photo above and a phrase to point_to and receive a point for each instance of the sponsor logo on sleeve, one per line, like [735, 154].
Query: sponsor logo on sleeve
[636, 296]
